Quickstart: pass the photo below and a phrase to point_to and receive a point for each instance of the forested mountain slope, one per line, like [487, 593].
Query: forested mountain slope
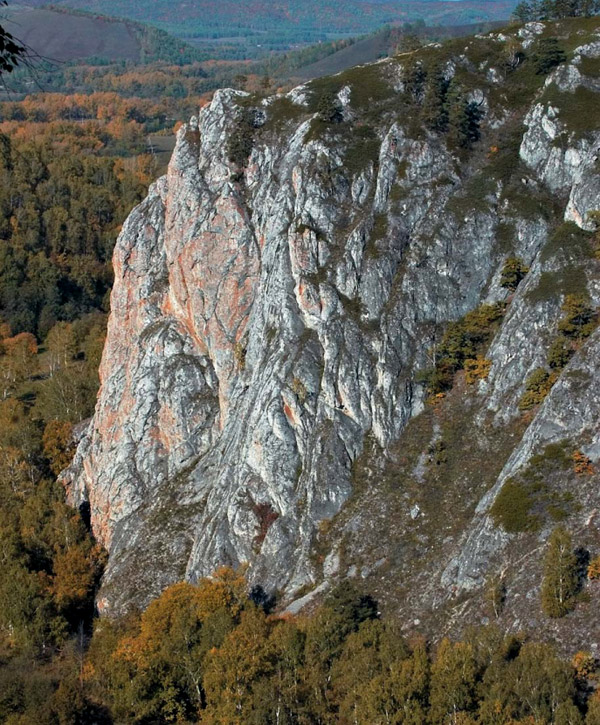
[265, 25]
[61, 35]
[353, 334]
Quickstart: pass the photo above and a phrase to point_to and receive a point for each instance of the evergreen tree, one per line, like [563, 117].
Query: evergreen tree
[414, 76]
[434, 111]
[241, 141]
[548, 55]
[524, 12]
[464, 122]
[329, 109]
[559, 353]
[513, 272]
[560, 9]
[351, 606]
[579, 317]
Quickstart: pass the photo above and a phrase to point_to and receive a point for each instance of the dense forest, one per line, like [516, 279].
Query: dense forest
[71, 166]
[64, 192]
[212, 653]
[555, 9]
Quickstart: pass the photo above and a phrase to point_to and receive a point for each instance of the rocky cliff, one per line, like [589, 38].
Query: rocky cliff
[278, 296]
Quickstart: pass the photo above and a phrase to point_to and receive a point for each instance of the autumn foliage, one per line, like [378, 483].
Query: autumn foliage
[582, 464]
[593, 571]
[207, 653]
[59, 446]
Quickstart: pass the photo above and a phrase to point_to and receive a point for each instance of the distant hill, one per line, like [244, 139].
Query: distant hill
[380, 44]
[64, 35]
[261, 26]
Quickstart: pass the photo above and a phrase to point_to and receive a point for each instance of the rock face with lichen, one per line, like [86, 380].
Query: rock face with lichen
[276, 298]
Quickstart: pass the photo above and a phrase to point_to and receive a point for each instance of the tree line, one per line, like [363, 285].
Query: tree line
[212, 653]
[529, 10]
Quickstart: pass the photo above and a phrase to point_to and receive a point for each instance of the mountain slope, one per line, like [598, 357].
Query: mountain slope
[318, 359]
[60, 35]
[379, 45]
[294, 21]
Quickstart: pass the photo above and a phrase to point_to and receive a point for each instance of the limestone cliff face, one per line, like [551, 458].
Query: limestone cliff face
[268, 319]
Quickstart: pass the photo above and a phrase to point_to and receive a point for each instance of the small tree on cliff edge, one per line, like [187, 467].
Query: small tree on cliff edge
[560, 582]
[548, 55]
[329, 109]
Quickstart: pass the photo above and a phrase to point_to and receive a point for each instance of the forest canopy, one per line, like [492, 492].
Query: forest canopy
[212, 653]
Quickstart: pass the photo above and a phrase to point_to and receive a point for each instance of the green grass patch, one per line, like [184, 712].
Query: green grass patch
[318, 277]
[573, 32]
[353, 308]
[367, 84]
[380, 226]
[474, 197]
[551, 285]
[281, 112]
[589, 66]
[480, 50]
[505, 238]
[512, 509]
[537, 493]
[398, 194]
[504, 161]
[529, 202]
[570, 242]
[554, 455]
[579, 111]
[363, 149]
[316, 130]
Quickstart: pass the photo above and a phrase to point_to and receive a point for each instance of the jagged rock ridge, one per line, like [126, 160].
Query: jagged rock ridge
[268, 321]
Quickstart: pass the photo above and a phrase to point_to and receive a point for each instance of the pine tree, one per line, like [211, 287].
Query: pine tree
[548, 55]
[414, 76]
[559, 353]
[564, 9]
[560, 581]
[329, 109]
[579, 319]
[523, 12]
[463, 121]
[513, 272]
[434, 111]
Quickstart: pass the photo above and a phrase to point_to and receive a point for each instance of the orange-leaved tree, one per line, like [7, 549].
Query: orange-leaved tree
[163, 663]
